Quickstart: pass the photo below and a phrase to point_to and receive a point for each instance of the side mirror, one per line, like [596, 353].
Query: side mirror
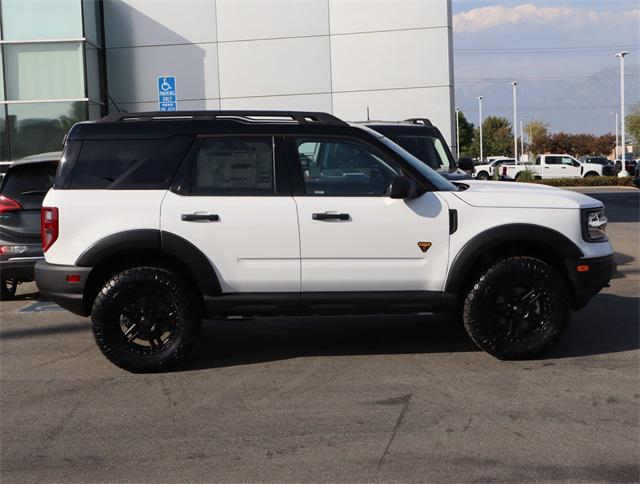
[466, 164]
[403, 187]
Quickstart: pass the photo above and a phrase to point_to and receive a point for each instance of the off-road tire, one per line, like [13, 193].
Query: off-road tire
[483, 175]
[157, 288]
[8, 289]
[497, 298]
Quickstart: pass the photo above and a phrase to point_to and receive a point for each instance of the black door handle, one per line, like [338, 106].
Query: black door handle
[330, 216]
[194, 217]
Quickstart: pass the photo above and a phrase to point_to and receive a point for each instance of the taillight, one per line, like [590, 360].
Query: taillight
[8, 204]
[48, 226]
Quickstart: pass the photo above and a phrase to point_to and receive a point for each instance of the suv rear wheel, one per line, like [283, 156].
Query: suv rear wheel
[517, 308]
[145, 319]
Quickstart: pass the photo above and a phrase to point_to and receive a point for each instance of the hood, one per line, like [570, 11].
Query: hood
[522, 195]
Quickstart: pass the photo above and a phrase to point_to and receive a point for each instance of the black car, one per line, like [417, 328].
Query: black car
[424, 141]
[636, 176]
[629, 164]
[23, 188]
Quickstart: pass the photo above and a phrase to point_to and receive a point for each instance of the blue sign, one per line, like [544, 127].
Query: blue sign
[167, 99]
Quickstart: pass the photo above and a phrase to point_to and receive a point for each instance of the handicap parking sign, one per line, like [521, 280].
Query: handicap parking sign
[167, 99]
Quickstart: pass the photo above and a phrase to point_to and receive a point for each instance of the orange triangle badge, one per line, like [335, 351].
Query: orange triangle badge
[424, 246]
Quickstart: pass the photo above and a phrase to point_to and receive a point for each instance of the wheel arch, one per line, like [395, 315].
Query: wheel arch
[146, 247]
[508, 240]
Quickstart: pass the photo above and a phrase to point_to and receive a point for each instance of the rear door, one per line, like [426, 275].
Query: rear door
[234, 205]
[26, 184]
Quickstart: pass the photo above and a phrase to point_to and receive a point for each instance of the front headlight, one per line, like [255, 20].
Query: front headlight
[594, 225]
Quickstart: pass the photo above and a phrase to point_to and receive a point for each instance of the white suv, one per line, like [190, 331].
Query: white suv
[157, 220]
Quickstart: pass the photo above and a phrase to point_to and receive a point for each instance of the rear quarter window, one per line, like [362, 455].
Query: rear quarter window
[148, 164]
[28, 184]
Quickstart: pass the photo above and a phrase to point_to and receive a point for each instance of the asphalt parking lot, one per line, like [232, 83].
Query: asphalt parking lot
[338, 399]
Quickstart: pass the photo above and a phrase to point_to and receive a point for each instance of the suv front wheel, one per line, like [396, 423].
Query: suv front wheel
[145, 319]
[517, 308]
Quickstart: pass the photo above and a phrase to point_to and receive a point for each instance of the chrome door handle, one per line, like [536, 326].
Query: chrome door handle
[200, 217]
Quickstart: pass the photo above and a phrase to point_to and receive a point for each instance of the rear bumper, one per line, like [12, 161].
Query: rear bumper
[588, 283]
[20, 268]
[52, 283]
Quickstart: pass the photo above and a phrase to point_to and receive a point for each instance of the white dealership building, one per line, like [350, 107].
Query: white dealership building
[393, 57]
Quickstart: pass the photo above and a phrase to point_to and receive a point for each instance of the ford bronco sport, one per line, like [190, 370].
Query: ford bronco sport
[157, 220]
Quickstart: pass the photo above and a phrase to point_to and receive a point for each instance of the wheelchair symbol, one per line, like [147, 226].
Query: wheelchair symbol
[165, 86]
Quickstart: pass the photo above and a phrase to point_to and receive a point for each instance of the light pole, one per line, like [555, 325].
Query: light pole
[615, 151]
[522, 140]
[479, 98]
[458, 133]
[623, 168]
[515, 122]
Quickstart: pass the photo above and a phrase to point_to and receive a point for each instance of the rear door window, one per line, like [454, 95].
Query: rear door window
[228, 166]
[29, 183]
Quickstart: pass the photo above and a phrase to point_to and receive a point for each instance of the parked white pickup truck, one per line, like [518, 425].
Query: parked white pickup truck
[557, 166]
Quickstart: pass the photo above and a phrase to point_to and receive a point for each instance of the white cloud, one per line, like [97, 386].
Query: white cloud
[484, 18]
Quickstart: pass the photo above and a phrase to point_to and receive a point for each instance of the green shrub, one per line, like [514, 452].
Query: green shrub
[526, 176]
[590, 181]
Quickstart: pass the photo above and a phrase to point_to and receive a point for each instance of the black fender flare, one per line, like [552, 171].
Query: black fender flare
[479, 245]
[159, 241]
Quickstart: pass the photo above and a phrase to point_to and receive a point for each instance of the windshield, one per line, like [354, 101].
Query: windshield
[429, 149]
[437, 180]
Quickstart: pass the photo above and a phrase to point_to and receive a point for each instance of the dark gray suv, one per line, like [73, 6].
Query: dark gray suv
[23, 188]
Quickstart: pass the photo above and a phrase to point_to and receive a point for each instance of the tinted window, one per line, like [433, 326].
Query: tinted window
[29, 183]
[128, 164]
[233, 166]
[552, 160]
[343, 168]
[428, 149]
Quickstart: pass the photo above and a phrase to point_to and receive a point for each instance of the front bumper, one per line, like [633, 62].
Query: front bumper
[589, 276]
[53, 284]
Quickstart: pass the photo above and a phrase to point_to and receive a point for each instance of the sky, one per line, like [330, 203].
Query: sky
[562, 53]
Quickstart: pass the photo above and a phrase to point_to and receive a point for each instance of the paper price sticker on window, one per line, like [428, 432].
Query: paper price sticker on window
[167, 98]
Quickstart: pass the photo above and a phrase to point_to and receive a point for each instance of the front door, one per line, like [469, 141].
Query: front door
[353, 236]
[228, 206]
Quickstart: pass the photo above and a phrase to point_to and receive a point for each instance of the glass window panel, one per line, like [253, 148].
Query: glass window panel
[233, 166]
[343, 168]
[93, 66]
[1, 77]
[40, 127]
[4, 144]
[91, 21]
[41, 19]
[44, 71]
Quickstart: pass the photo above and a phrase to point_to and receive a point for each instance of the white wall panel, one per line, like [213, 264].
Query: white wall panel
[410, 58]
[153, 22]
[310, 102]
[432, 103]
[348, 16]
[261, 19]
[268, 67]
[133, 72]
[197, 105]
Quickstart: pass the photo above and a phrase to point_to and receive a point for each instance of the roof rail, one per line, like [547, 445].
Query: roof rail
[423, 121]
[286, 117]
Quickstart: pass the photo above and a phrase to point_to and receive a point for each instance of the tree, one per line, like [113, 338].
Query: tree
[632, 123]
[538, 133]
[497, 138]
[466, 134]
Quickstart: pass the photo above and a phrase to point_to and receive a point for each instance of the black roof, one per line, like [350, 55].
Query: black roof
[150, 125]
